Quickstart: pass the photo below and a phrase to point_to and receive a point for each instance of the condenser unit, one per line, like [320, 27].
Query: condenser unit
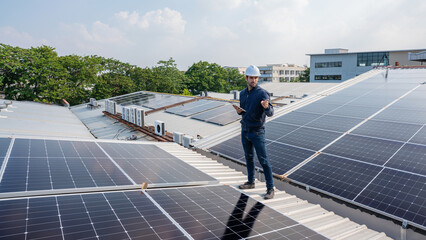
[187, 141]
[140, 117]
[132, 115]
[106, 105]
[177, 137]
[127, 114]
[113, 107]
[123, 112]
[159, 128]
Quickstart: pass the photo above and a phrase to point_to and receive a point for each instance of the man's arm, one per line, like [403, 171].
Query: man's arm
[266, 104]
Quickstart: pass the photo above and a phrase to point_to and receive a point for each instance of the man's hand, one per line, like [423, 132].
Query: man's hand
[265, 103]
[238, 109]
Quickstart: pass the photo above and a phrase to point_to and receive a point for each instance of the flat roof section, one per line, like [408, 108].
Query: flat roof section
[31, 119]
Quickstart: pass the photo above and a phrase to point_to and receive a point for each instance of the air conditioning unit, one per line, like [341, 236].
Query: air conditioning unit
[177, 137]
[123, 112]
[106, 105]
[127, 114]
[133, 115]
[113, 107]
[95, 103]
[159, 128]
[187, 141]
[92, 100]
[140, 117]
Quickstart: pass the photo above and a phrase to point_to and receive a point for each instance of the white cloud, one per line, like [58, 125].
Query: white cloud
[223, 33]
[167, 20]
[225, 4]
[13, 37]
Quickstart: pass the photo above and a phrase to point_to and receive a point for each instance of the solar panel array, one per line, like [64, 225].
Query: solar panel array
[195, 107]
[221, 115]
[218, 212]
[104, 206]
[365, 144]
[149, 100]
[37, 164]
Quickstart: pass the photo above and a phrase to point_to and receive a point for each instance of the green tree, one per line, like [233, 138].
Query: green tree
[304, 76]
[166, 78]
[113, 79]
[30, 74]
[204, 76]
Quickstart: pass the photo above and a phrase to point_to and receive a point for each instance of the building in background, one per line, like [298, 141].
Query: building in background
[276, 72]
[338, 64]
[280, 72]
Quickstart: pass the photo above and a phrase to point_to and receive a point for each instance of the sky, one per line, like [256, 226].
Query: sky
[227, 32]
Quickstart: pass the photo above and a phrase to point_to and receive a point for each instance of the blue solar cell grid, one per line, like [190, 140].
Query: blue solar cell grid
[341, 177]
[399, 194]
[4, 146]
[370, 150]
[411, 158]
[52, 164]
[151, 164]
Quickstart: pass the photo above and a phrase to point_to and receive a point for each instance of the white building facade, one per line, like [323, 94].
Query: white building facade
[280, 72]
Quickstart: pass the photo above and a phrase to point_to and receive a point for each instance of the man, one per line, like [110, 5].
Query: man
[254, 107]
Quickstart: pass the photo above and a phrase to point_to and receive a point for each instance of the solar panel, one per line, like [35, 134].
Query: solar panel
[339, 176]
[194, 107]
[118, 215]
[221, 212]
[402, 115]
[320, 108]
[309, 138]
[4, 146]
[395, 139]
[231, 148]
[275, 130]
[165, 100]
[355, 111]
[52, 164]
[388, 130]
[297, 118]
[334, 123]
[220, 115]
[202, 212]
[138, 98]
[420, 137]
[370, 150]
[399, 194]
[225, 118]
[284, 157]
[411, 158]
[149, 163]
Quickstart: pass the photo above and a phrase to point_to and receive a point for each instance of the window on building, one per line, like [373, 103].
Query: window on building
[291, 72]
[373, 59]
[328, 64]
[281, 72]
[286, 72]
[328, 77]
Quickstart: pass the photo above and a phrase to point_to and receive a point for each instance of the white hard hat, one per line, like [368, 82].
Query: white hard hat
[252, 71]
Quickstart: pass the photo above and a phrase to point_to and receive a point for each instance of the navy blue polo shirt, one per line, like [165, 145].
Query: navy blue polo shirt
[254, 117]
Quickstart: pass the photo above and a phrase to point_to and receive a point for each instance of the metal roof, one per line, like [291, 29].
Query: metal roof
[408, 50]
[29, 119]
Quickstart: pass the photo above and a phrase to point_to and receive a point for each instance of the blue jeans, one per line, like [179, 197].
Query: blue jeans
[256, 140]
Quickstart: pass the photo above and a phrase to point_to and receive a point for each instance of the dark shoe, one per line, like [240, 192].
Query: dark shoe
[246, 185]
[270, 193]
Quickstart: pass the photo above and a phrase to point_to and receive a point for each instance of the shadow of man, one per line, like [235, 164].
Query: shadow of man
[237, 227]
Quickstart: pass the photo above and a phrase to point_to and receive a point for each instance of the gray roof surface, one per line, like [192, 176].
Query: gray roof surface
[31, 119]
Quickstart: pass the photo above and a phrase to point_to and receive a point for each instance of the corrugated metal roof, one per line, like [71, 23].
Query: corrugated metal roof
[29, 119]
